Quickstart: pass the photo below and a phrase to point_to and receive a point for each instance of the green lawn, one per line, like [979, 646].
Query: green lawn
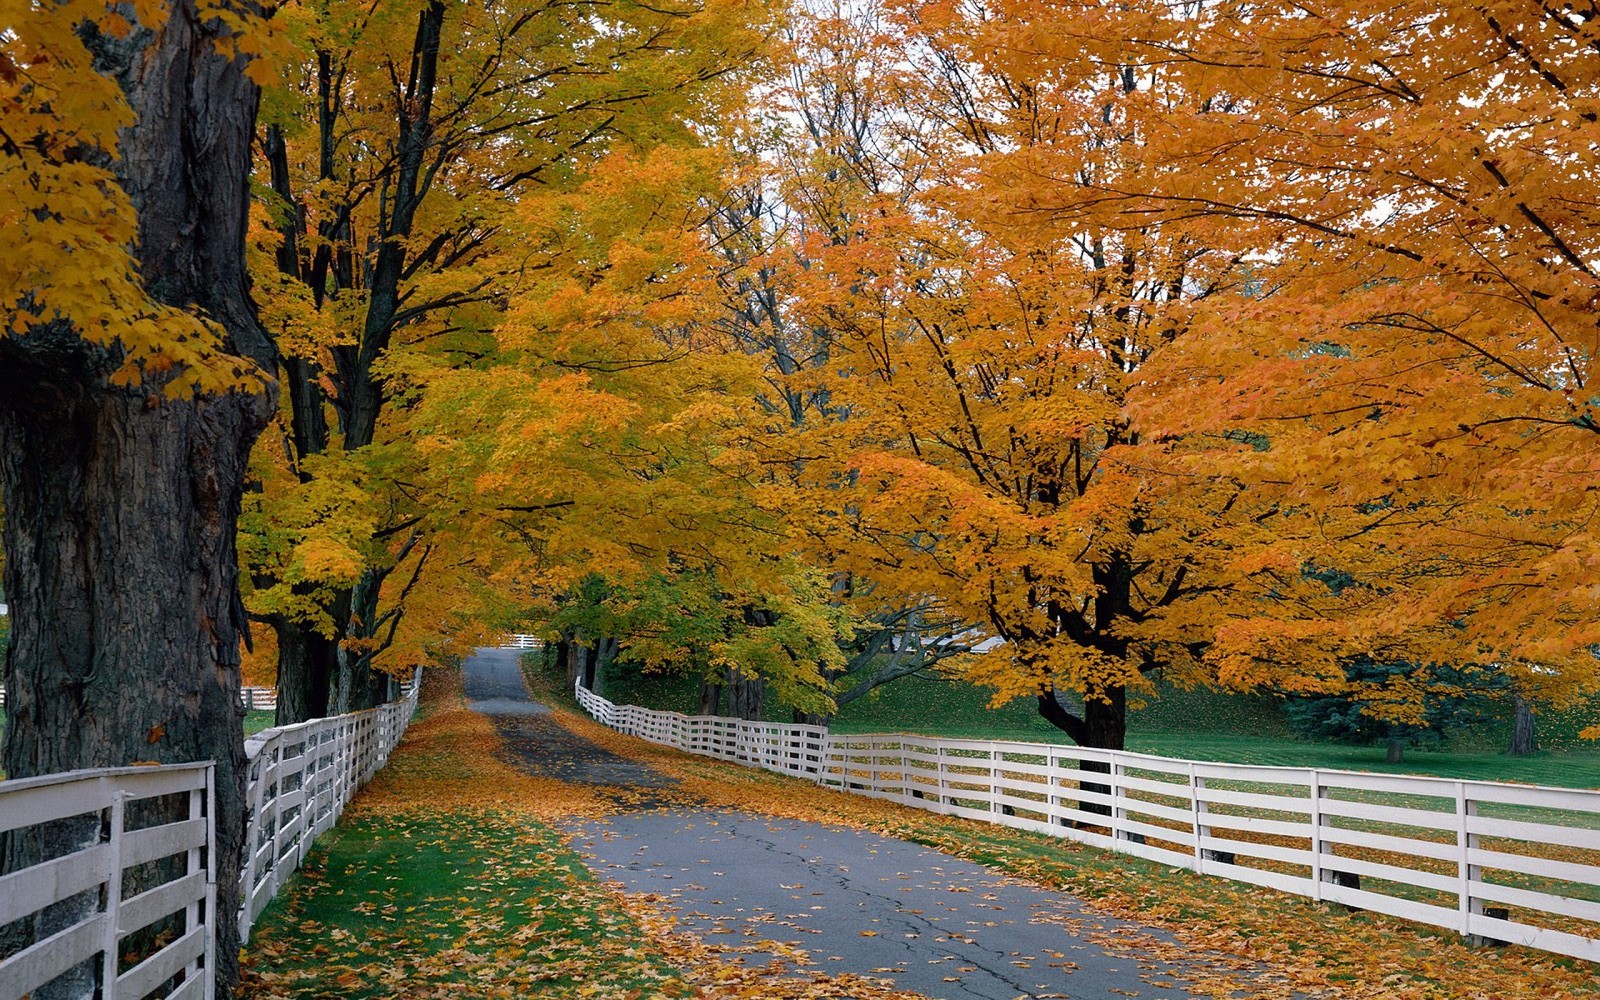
[1199, 725]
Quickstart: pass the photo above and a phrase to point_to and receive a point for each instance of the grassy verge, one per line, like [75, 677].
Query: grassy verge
[451, 904]
[1243, 941]
[1196, 724]
[446, 879]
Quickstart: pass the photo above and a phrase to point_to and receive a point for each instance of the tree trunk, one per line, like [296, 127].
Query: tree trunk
[1524, 740]
[122, 507]
[1102, 725]
[1396, 750]
[604, 655]
[589, 655]
[355, 684]
[122, 580]
[306, 661]
[575, 658]
[710, 697]
[746, 695]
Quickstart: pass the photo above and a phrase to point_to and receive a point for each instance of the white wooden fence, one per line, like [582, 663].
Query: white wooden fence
[82, 886]
[254, 699]
[300, 778]
[259, 699]
[1500, 862]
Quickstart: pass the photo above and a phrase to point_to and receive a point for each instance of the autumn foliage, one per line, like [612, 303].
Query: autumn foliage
[1227, 343]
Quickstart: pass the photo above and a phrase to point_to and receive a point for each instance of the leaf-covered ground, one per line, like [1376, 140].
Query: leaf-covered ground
[1282, 946]
[448, 879]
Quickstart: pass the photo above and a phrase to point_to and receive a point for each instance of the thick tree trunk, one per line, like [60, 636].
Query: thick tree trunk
[122, 581]
[575, 660]
[1524, 739]
[1103, 725]
[604, 655]
[746, 695]
[306, 661]
[710, 697]
[1395, 751]
[121, 507]
[355, 684]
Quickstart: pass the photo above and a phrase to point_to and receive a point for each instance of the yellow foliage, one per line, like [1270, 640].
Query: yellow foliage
[69, 222]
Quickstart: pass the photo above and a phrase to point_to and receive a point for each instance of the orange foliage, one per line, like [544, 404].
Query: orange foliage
[1231, 343]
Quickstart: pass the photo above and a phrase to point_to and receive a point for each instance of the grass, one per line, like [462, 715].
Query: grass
[1195, 724]
[450, 903]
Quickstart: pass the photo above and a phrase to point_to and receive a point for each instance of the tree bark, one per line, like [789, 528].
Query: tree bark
[746, 695]
[306, 660]
[1103, 724]
[710, 697]
[122, 507]
[573, 644]
[1524, 739]
[605, 654]
[1395, 751]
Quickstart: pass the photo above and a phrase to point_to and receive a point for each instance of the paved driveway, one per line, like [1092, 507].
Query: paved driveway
[850, 901]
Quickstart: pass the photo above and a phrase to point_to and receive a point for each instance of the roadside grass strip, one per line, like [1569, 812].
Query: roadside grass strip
[452, 904]
[1273, 946]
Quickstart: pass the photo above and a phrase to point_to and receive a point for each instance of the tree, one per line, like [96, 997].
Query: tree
[1417, 348]
[132, 387]
[395, 238]
[978, 449]
[1367, 712]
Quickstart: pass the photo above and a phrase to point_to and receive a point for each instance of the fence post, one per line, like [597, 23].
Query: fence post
[1465, 842]
[994, 782]
[108, 960]
[1317, 846]
[252, 843]
[201, 911]
[1197, 810]
[944, 779]
[1118, 813]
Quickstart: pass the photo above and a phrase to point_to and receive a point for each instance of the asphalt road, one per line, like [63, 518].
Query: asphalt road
[850, 901]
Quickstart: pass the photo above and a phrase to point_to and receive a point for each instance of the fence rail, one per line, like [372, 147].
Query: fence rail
[259, 699]
[300, 779]
[254, 699]
[119, 888]
[1500, 862]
